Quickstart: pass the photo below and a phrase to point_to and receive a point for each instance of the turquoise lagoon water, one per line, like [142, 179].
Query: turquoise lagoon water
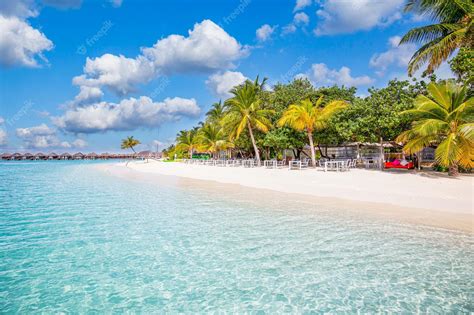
[74, 239]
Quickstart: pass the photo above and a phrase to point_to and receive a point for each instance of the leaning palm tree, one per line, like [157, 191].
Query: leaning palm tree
[245, 111]
[454, 29]
[306, 116]
[129, 143]
[444, 118]
[187, 141]
[212, 139]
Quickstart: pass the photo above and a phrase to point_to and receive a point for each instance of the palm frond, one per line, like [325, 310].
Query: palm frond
[466, 131]
[415, 145]
[448, 151]
[430, 127]
[428, 33]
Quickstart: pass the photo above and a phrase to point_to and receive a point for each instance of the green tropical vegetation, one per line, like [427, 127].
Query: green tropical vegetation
[188, 141]
[296, 115]
[245, 111]
[212, 139]
[453, 29]
[308, 117]
[443, 118]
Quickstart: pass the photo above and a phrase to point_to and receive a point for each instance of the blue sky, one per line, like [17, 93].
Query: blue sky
[81, 75]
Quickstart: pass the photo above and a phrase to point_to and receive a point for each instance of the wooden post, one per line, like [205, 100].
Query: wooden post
[381, 151]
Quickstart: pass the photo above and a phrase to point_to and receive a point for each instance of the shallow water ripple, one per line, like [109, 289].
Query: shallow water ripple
[73, 239]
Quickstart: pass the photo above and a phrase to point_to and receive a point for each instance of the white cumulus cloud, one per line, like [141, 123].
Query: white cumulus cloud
[222, 82]
[43, 137]
[301, 18]
[3, 137]
[88, 94]
[118, 73]
[79, 143]
[129, 114]
[398, 55]
[288, 29]
[21, 44]
[20, 8]
[207, 48]
[41, 130]
[338, 17]
[301, 4]
[265, 32]
[321, 75]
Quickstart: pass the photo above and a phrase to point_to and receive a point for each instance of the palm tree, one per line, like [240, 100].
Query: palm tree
[445, 119]
[216, 113]
[129, 143]
[212, 139]
[245, 111]
[187, 141]
[439, 41]
[306, 116]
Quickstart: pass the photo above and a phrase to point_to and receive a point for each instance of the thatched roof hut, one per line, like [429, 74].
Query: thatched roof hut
[40, 156]
[28, 156]
[91, 156]
[53, 156]
[104, 156]
[78, 156]
[65, 156]
[16, 156]
[6, 156]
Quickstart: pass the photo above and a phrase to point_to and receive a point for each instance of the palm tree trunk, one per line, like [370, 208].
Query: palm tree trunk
[126, 164]
[453, 170]
[311, 144]
[381, 154]
[190, 153]
[257, 154]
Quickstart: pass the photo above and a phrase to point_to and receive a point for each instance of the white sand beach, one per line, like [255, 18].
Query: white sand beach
[426, 198]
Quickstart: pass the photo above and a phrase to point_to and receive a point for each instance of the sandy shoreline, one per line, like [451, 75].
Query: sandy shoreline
[424, 199]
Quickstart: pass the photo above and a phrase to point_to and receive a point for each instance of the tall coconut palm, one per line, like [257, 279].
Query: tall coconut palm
[245, 111]
[454, 29]
[306, 116]
[212, 139]
[444, 118]
[187, 141]
[216, 113]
